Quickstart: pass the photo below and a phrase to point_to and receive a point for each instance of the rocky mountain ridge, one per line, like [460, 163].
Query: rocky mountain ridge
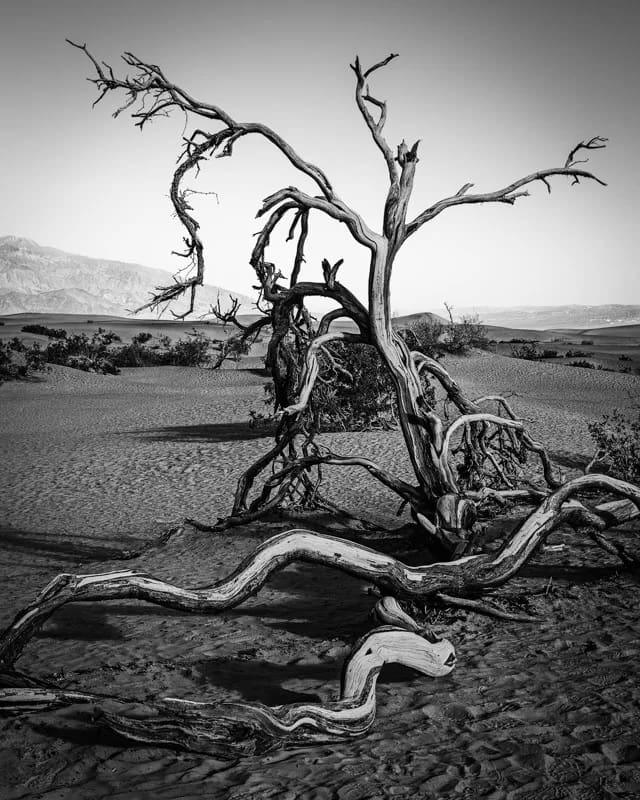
[46, 280]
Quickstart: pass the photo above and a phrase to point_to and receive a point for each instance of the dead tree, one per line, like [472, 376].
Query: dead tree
[458, 463]
[444, 496]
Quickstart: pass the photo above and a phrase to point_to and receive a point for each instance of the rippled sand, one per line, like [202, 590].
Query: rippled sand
[94, 465]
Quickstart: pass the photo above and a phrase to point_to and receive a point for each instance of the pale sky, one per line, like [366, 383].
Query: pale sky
[495, 89]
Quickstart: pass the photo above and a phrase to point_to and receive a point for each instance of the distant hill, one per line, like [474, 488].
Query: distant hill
[578, 317]
[36, 279]
[424, 316]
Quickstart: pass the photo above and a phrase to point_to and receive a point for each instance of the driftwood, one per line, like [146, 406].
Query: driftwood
[463, 576]
[230, 730]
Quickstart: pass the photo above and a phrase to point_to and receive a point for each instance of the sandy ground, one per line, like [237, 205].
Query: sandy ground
[94, 465]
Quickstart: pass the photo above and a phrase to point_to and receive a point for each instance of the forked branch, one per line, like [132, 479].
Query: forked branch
[363, 97]
[510, 193]
[149, 82]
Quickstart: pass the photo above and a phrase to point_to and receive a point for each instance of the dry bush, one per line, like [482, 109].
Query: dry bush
[618, 439]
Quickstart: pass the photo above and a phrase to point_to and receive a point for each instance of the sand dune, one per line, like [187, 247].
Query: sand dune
[93, 465]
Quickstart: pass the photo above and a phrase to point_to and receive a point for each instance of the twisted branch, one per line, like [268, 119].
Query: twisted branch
[231, 730]
[510, 193]
[470, 573]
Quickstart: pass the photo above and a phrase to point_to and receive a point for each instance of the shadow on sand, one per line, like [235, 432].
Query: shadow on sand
[219, 432]
[68, 548]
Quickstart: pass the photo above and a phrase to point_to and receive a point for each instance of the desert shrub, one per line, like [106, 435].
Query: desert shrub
[618, 437]
[236, 346]
[425, 336]
[624, 357]
[359, 395]
[193, 351]
[528, 350]
[137, 354]
[460, 337]
[79, 351]
[435, 339]
[17, 361]
[577, 354]
[353, 391]
[42, 330]
[549, 354]
[583, 364]
[588, 342]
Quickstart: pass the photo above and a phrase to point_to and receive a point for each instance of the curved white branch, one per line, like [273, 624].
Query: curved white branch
[469, 419]
[230, 730]
[312, 367]
[390, 575]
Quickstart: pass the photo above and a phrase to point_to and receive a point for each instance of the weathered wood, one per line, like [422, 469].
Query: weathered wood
[231, 730]
[469, 573]
[150, 94]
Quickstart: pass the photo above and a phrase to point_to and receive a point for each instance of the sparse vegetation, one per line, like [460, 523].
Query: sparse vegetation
[617, 437]
[19, 362]
[435, 338]
[42, 330]
[192, 351]
[584, 364]
[79, 351]
[353, 392]
[528, 350]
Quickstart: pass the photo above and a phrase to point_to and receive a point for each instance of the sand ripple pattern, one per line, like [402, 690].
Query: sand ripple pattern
[91, 464]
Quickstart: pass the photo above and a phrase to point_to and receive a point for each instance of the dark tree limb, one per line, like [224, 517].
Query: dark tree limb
[510, 193]
[149, 81]
[375, 127]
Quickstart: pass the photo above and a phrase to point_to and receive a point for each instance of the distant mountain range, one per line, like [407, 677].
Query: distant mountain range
[549, 317]
[46, 280]
[36, 279]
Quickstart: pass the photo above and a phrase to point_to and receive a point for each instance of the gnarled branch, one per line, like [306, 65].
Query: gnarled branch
[510, 193]
[362, 98]
[231, 730]
[467, 574]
